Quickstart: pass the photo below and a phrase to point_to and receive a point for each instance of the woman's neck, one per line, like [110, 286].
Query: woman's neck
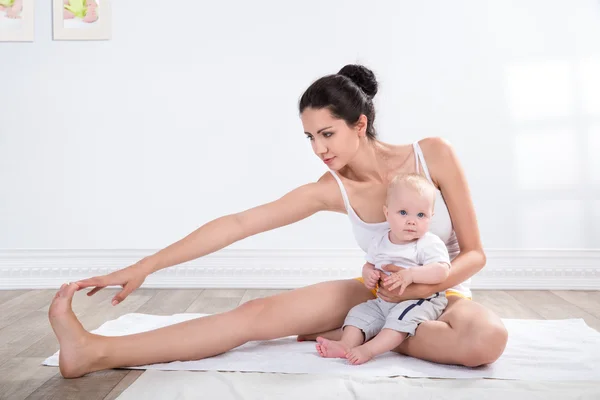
[370, 162]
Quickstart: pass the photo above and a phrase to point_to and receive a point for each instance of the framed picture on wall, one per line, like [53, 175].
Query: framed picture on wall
[82, 19]
[16, 20]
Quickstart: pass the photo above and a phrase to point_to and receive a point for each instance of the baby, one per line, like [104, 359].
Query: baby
[378, 326]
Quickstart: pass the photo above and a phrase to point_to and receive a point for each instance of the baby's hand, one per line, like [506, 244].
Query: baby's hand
[400, 279]
[370, 275]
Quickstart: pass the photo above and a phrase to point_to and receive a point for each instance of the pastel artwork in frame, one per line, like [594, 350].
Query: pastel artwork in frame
[16, 21]
[82, 19]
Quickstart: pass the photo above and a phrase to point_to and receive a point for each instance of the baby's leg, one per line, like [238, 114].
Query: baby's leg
[385, 341]
[351, 337]
[361, 324]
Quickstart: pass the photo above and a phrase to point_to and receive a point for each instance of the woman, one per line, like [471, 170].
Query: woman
[337, 114]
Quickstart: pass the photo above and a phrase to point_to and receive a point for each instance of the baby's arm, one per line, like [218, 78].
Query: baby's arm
[435, 261]
[435, 265]
[370, 275]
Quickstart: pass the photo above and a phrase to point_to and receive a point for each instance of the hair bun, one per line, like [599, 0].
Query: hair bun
[362, 76]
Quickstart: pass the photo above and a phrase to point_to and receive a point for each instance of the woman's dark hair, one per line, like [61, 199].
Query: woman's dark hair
[347, 95]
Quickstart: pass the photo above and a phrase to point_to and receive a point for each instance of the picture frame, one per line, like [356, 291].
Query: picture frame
[16, 20]
[82, 19]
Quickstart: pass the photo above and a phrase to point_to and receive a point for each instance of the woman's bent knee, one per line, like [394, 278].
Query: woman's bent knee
[484, 344]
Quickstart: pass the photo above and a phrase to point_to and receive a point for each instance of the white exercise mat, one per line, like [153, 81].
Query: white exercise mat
[565, 350]
[183, 385]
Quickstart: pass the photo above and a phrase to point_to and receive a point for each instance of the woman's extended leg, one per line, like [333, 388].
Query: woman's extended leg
[466, 334]
[314, 308]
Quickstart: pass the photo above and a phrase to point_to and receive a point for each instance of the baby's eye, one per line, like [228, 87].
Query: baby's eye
[402, 212]
[420, 215]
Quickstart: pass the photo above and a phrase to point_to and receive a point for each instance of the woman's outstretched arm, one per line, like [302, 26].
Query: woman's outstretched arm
[296, 205]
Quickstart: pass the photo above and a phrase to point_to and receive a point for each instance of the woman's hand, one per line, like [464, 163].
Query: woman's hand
[414, 291]
[400, 279]
[129, 278]
[384, 293]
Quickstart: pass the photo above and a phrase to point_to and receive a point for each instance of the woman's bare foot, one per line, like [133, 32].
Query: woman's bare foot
[359, 355]
[91, 13]
[331, 348]
[76, 344]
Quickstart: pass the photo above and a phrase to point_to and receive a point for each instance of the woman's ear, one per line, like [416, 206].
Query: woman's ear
[361, 125]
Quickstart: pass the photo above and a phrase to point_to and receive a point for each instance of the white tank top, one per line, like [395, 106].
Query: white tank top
[441, 223]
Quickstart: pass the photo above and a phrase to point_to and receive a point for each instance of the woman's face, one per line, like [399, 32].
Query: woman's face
[332, 140]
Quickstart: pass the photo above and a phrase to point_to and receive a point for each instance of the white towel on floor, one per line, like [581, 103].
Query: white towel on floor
[183, 385]
[536, 350]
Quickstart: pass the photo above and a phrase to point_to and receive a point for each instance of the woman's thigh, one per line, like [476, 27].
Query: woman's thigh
[315, 308]
[466, 333]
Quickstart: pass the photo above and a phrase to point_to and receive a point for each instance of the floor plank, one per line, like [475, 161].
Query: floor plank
[213, 301]
[20, 335]
[168, 302]
[21, 376]
[6, 295]
[18, 307]
[588, 301]
[124, 384]
[94, 386]
[551, 306]
[504, 305]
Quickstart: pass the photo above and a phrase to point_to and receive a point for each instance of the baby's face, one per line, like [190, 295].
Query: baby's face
[409, 214]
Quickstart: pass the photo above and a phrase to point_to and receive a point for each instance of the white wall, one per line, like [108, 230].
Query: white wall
[189, 114]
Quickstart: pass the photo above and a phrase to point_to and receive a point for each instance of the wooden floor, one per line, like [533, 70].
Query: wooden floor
[26, 338]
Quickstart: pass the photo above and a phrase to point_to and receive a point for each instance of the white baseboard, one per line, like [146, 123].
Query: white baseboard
[230, 268]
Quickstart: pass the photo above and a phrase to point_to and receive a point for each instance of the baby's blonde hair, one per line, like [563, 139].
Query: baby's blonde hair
[415, 182]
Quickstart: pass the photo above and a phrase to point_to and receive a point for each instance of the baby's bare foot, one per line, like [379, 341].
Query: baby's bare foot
[76, 344]
[359, 355]
[331, 348]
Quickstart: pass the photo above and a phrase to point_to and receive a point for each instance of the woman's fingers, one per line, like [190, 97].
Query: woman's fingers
[119, 297]
[95, 290]
[95, 281]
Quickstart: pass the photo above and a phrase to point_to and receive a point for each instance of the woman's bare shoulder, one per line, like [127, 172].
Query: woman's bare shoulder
[330, 193]
[435, 147]
[438, 154]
